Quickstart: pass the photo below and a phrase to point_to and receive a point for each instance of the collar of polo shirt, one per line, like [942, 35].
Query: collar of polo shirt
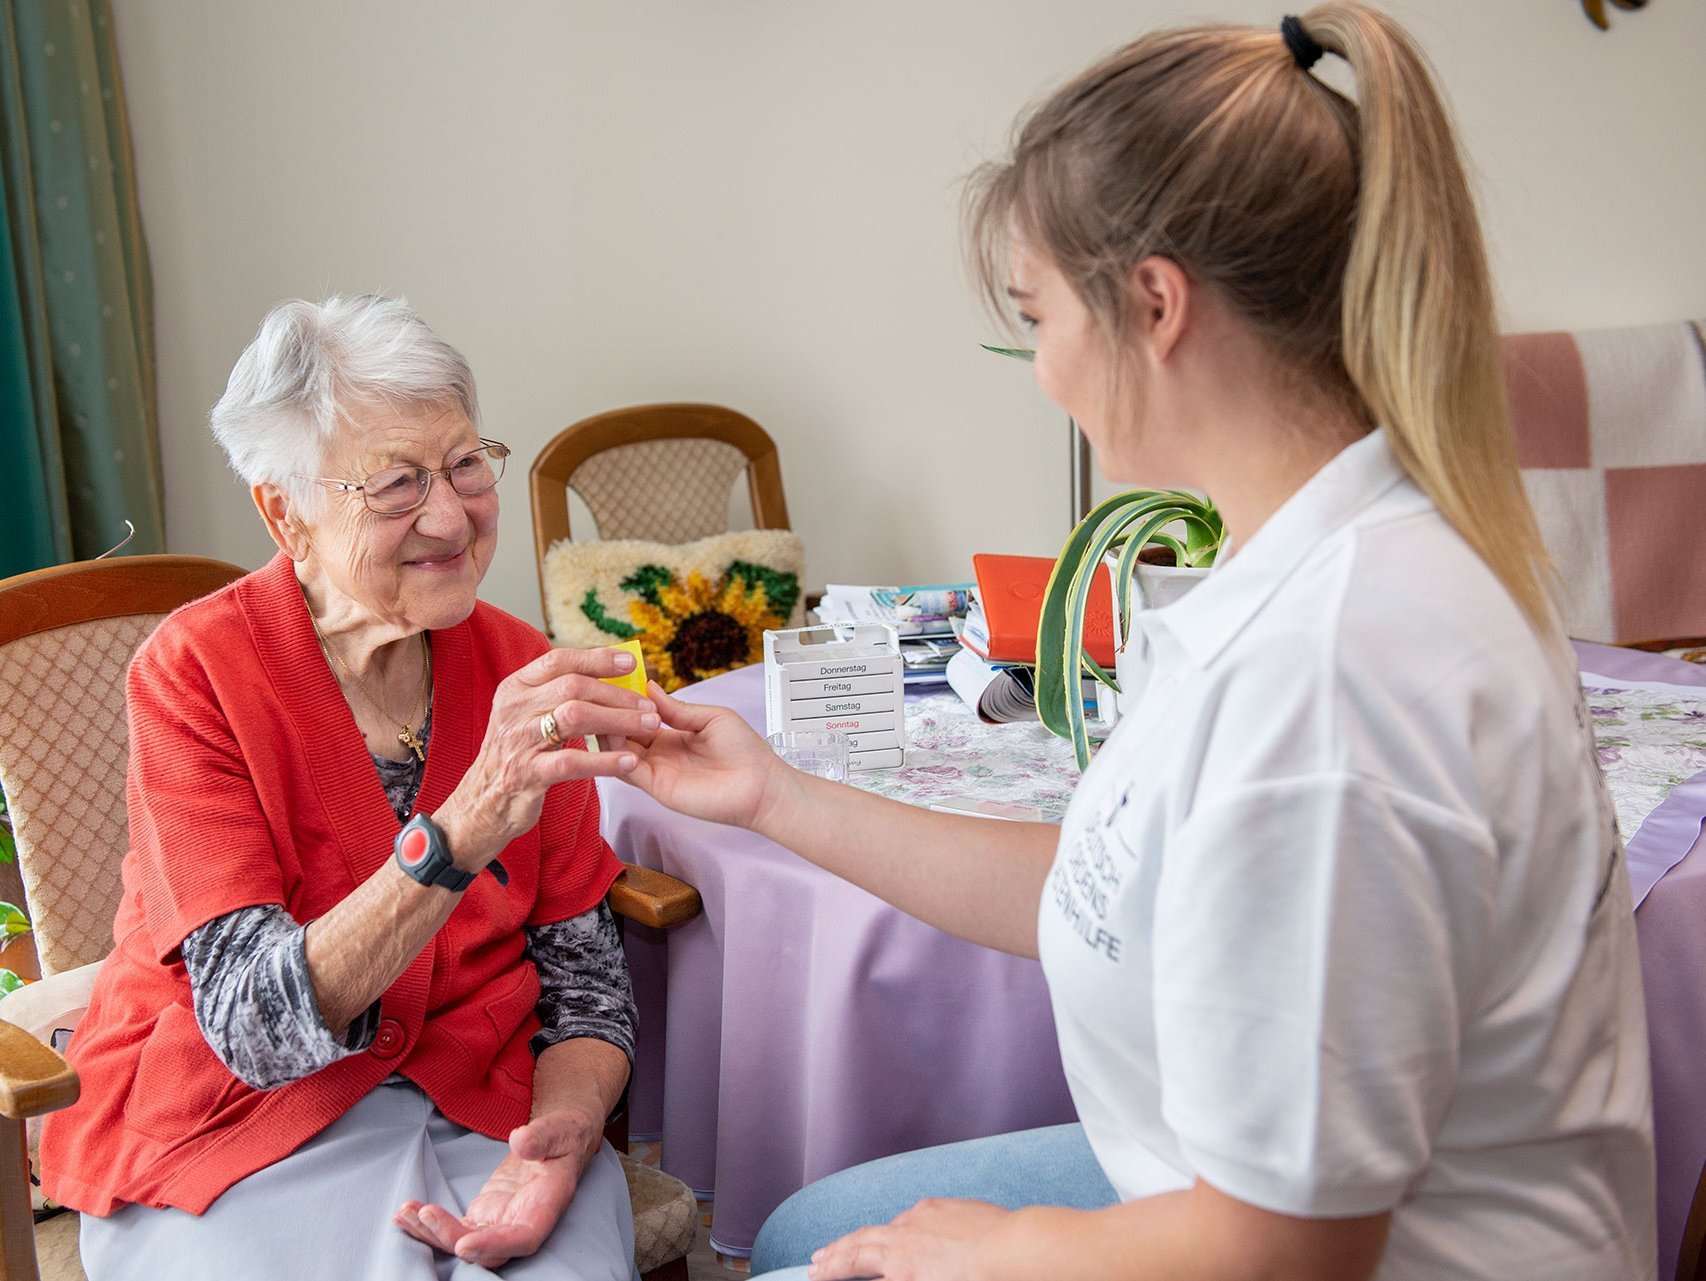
[1200, 624]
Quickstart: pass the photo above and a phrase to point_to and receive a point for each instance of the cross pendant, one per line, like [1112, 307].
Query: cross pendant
[413, 741]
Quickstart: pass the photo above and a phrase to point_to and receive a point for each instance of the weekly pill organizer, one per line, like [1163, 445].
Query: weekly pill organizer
[844, 677]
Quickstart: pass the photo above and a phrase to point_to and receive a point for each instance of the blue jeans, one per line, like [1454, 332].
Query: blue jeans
[1053, 1166]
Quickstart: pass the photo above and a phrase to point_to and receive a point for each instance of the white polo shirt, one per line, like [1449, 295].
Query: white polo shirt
[1339, 922]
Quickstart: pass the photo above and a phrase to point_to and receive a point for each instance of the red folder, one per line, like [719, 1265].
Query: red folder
[1010, 592]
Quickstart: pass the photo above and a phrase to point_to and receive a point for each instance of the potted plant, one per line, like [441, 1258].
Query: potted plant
[1130, 531]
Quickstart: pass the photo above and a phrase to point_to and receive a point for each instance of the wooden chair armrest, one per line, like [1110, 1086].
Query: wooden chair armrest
[33, 1078]
[1659, 645]
[647, 896]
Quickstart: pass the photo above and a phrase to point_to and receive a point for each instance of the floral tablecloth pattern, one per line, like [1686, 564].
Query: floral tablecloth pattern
[949, 752]
[1651, 739]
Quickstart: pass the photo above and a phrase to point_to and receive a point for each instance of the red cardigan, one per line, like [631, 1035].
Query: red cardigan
[249, 783]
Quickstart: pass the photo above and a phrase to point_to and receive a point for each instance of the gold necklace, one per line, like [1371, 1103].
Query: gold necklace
[408, 737]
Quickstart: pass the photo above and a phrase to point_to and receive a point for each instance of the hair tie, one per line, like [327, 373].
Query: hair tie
[1303, 46]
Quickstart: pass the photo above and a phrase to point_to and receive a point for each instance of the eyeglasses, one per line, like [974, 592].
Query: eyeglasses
[402, 489]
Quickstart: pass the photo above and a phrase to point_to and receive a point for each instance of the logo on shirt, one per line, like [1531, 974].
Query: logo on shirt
[1086, 879]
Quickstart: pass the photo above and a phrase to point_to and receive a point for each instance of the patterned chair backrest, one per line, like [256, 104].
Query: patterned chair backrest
[1611, 434]
[66, 638]
[63, 754]
[663, 491]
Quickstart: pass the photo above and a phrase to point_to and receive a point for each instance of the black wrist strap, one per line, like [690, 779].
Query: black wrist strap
[424, 854]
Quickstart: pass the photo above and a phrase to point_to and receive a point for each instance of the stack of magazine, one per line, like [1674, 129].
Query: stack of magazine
[997, 692]
[926, 616]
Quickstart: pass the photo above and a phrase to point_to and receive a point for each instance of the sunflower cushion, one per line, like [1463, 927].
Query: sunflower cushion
[698, 609]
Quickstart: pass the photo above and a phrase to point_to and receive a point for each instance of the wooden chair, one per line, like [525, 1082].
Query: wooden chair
[66, 637]
[657, 472]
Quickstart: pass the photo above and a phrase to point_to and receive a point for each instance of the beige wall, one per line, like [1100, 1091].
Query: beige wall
[755, 202]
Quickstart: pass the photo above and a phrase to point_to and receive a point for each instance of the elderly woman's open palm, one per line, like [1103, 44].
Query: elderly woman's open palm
[520, 1203]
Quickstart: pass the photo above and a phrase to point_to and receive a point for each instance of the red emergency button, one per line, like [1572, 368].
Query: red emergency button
[388, 1041]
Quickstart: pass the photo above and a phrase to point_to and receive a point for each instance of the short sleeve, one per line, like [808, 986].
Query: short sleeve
[200, 845]
[1318, 947]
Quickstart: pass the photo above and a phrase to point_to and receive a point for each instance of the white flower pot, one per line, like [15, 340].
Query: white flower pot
[1161, 585]
[1156, 586]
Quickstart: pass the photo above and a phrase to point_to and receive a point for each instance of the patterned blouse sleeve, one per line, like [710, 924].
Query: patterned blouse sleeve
[583, 981]
[254, 1000]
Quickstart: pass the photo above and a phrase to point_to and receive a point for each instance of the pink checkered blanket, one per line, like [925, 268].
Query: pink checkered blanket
[1611, 434]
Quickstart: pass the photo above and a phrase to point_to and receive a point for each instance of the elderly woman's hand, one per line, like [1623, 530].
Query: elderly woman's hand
[524, 1198]
[500, 796]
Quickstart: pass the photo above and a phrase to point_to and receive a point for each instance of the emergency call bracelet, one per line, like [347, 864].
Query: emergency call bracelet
[424, 855]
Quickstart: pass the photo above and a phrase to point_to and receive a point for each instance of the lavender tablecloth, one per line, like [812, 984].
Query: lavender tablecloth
[810, 1027]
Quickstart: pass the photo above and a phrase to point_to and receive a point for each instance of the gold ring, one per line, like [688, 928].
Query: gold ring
[549, 732]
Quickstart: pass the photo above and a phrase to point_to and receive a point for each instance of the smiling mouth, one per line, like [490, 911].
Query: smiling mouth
[438, 560]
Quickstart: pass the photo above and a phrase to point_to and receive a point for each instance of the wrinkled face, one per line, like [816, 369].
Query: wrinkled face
[1073, 361]
[419, 570]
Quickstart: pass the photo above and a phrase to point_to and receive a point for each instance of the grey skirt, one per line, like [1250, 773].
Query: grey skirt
[323, 1213]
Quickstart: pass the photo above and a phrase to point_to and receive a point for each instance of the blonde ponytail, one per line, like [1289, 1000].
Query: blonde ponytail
[1420, 340]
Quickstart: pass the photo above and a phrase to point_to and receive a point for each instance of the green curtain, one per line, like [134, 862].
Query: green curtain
[78, 417]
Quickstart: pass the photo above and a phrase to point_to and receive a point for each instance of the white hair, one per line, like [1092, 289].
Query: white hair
[311, 364]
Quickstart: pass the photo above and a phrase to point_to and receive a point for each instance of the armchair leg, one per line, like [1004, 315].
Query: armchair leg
[17, 1224]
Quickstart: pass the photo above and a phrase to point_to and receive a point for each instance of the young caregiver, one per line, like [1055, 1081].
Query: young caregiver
[1337, 929]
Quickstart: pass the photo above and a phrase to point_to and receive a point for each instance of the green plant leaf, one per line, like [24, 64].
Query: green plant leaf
[1124, 572]
[1056, 655]
[1068, 644]
[1101, 673]
[9, 982]
[1203, 536]
[1179, 549]
[13, 921]
[1072, 653]
[1128, 522]
[1017, 353]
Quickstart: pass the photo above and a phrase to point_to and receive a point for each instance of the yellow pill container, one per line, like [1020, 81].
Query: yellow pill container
[636, 679]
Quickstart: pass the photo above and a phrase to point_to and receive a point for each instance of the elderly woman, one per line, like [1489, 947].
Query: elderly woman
[366, 1015]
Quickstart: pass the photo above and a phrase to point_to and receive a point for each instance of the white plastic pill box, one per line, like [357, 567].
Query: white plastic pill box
[843, 676]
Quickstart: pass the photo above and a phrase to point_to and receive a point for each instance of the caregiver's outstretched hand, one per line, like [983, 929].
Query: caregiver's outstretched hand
[969, 876]
[707, 762]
